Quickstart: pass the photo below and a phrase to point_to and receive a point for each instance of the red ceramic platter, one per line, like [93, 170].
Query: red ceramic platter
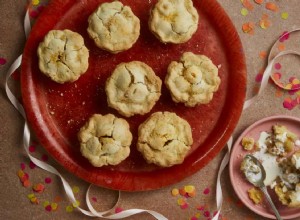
[238, 181]
[56, 112]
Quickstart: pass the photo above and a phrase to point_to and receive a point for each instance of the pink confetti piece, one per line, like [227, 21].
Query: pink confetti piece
[284, 36]
[206, 213]
[206, 191]
[118, 210]
[277, 66]
[94, 199]
[32, 165]
[48, 208]
[200, 208]
[48, 180]
[2, 61]
[194, 218]
[259, 77]
[23, 166]
[32, 148]
[184, 206]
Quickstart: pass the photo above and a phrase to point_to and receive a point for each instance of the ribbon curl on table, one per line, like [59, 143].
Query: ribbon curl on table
[26, 143]
[248, 103]
[126, 213]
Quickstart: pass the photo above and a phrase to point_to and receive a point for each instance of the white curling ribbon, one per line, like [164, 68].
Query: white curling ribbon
[26, 143]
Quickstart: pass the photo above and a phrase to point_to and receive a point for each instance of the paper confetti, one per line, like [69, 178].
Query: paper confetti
[206, 191]
[264, 22]
[35, 2]
[247, 4]
[33, 199]
[244, 11]
[262, 54]
[281, 47]
[277, 66]
[284, 36]
[39, 188]
[24, 178]
[118, 210]
[175, 192]
[31, 148]
[69, 208]
[48, 180]
[259, 1]
[272, 6]
[2, 61]
[248, 28]
[284, 15]
[75, 189]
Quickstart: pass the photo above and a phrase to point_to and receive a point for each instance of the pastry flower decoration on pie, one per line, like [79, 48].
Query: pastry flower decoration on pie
[114, 27]
[193, 80]
[105, 140]
[63, 56]
[164, 139]
[174, 21]
[133, 88]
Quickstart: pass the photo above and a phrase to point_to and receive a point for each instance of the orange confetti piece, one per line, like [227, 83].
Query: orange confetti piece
[248, 28]
[38, 188]
[262, 54]
[192, 194]
[264, 24]
[259, 1]
[26, 183]
[278, 93]
[271, 6]
[281, 47]
[182, 192]
[247, 4]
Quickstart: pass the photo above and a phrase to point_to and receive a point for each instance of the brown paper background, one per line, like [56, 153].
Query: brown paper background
[14, 203]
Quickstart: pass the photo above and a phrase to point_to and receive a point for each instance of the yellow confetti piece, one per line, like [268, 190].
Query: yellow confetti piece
[30, 196]
[21, 173]
[264, 24]
[296, 81]
[198, 215]
[75, 189]
[181, 201]
[76, 204]
[298, 93]
[54, 206]
[189, 188]
[69, 208]
[175, 192]
[46, 203]
[35, 2]
[284, 15]
[244, 11]
[288, 86]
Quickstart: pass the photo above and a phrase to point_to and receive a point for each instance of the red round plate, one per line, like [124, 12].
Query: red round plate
[56, 112]
[241, 185]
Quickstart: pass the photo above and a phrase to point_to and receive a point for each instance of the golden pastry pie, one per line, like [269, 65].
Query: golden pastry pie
[164, 139]
[105, 140]
[133, 88]
[193, 80]
[114, 27]
[173, 21]
[63, 56]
